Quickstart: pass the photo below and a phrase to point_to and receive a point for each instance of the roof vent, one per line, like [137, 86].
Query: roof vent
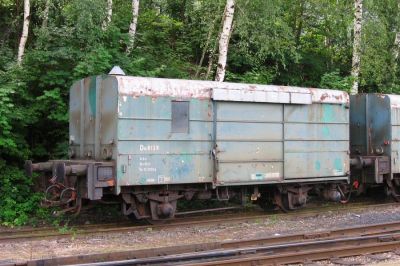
[116, 70]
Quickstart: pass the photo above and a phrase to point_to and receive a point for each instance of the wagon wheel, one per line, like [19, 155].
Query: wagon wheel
[265, 203]
[285, 203]
[392, 190]
[133, 219]
[156, 213]
[281, 201]
[156, 222]
[142, 209]
[345, 192]
[146, 221]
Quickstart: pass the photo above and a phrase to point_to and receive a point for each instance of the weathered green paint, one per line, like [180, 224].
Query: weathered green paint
[325, 131]
[92, 96]
[327, 113]
[338, 164]
[315, 135]
[255, 141]
[317, 165]
[375, 124]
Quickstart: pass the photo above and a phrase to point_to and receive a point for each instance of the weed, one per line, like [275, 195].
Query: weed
[273, 219]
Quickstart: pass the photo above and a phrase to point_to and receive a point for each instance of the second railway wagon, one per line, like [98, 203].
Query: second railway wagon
[375, 141]
[154, 141]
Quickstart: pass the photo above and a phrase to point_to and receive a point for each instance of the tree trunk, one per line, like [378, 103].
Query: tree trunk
[210, 64]
[355, 67]
[46, 14]
[133, 25]
[25, 30]
[109, 14]
[396, 46]
[299, 26]
[205, 48]
[224, 40]
[396, 49]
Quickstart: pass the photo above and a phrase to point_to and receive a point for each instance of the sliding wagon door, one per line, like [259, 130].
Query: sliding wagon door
[249, 146]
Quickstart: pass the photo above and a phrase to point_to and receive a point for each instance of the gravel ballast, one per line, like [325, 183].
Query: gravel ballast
[149, 238]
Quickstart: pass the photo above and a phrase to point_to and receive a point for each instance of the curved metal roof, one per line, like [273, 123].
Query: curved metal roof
[155, 87]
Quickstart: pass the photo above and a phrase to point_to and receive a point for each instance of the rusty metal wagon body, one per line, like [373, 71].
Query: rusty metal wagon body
[375, 140]
[153, 141]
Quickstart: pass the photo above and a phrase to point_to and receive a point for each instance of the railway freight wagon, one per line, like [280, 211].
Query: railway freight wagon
[154, 141]
[375, 141]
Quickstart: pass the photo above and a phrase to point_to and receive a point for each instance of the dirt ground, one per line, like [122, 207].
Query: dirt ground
[149, 238]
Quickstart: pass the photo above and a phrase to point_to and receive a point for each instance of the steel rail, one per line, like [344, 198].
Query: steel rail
[7, 231]
[267, 254]
[384, 231]
[178, 222]
[357, 205]
[307, 256]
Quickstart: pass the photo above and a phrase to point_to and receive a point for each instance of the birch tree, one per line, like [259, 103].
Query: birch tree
[224, 40]
[205, 48]
[355, 66]
[46, 14]
[133, 25]
[397, 37]
[25, 30]
[298, 21]
[107, 21]
[396, 48]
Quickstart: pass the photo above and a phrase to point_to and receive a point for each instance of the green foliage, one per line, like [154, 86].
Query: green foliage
[335, 81]
[379, 67]
[13, 114]
[262, 34]
[53, 99]
[96, 62]
[257, 76]
[18, 202]
[6, 105]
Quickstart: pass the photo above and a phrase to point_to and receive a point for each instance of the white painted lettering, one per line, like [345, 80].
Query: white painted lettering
[149, 147]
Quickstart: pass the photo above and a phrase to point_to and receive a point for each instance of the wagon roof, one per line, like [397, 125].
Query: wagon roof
[394, 100]
[155, 87]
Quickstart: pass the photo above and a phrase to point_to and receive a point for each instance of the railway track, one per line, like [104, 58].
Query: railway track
[294, 248]
[51, 232]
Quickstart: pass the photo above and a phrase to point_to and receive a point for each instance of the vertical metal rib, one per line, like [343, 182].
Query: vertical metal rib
[82, 121]
[283, 141]
[367, 123]
[214, 145]
[97, 139]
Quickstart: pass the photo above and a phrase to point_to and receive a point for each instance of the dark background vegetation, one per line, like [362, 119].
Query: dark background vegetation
[303, 43]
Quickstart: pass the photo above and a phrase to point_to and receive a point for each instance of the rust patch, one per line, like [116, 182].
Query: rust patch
[252, 87]
[324, 96]
[156, 87]
[329, 96]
